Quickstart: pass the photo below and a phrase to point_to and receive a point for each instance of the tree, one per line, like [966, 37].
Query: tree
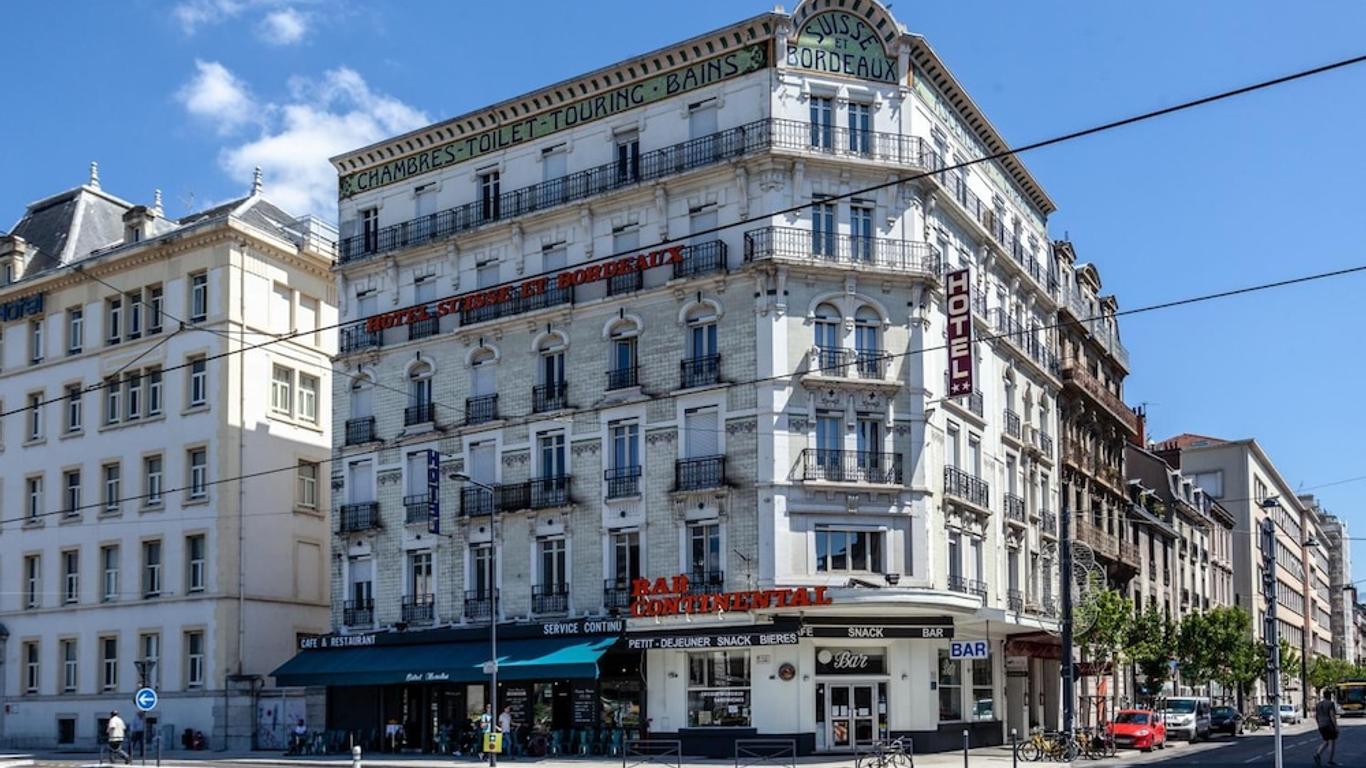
[1150, 642]
[1325, 671]
[1102, 641]
[1218, 646]
[1290, 663]
[1194, 637]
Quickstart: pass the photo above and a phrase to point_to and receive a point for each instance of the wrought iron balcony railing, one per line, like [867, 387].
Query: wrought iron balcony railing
[1048, 523]
[418, 609]
[1012, 423]
[839, 141]
[850, 363]
[829, 248]
[967, 586]
[1014, 600]
[421, 329]
[517, 304]
[700, 473]
[1045, 443]
[360, 430]
[422, 413]
[476, 501]
[356, 339]
[359, 516]
[549, 598]
[623, 378]
[840, 466]
[699, 371]
[540, 493]
[701, 259]
[549, 397]
[616, 595]
[1015, 508]
[358, 613]
[622, 481]
[967, 487]
[479, 604]
[415, 508]
[701, 581]
[481, 409]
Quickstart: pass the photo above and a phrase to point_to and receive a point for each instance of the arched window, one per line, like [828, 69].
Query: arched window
[867, 342]
[549, 393]
[828, 336]
[482, 404]
[624, 370]
[360, 428]
[419, 410]
[702, 365]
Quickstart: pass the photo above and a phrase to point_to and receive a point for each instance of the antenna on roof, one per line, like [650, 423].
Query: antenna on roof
[156, 203]
[256, 181]
[94, 175]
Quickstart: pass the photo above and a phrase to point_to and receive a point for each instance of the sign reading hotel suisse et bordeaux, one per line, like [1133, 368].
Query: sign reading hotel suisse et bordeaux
[840, 43]
[670, 597]
[740, 61]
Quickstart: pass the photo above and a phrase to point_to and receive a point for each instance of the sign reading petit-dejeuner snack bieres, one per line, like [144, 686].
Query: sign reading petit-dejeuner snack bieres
[739, 62]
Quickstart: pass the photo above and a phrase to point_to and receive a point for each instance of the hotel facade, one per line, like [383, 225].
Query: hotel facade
[653, 360]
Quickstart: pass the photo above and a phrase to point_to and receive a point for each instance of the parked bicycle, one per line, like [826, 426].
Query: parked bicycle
[1096, 744]
[887, 754]
[1049, 745]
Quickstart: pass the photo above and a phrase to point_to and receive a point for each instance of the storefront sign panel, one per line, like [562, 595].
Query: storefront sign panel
[672, 597]
[567, 628]
[851, 661]
[657, 642]
[864, 632]
[20, 308]
[433, 492]
[969, 649]
[727, 66]
[841, 43]
[958, 291]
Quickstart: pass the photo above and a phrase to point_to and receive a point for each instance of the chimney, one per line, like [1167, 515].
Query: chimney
[1141, 416]
[1169, 452]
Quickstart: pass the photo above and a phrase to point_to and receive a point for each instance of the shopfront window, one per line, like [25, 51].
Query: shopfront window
[983, 705]
[950, 687]
[718, 688]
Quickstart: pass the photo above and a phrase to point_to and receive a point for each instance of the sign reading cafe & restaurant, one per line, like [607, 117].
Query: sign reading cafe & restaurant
[841, 43]
[739, 62]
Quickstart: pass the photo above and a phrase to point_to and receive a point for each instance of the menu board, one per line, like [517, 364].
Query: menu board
[518, 697]
[584, 703]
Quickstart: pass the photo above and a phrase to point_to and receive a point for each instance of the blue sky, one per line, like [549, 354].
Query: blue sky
[189, 96]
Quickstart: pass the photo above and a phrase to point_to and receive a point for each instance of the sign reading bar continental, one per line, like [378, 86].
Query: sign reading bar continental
[958, 291]
[536, 286]
[841, 43]
[673, 597]
[739, 62]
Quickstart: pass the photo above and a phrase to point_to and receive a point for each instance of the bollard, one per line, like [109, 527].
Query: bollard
[158, 752]
[355, 756]
[1014, 755]
[965, 748]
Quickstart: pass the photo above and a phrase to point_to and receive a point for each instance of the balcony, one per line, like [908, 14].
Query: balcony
[358, 613]
[1077, 374]
[974, 402]
[1012, 424]
[966, 487]
[1005, 239]
[1128, 553]
[1098, 539]
[701, 582]
[622, 482]
[1048, 524]
[616, 595]
[418, 610]
[476, 501]
[1015, 600]
[843, 142]
[422, 413]
[421, 329]
[835, 364]
[479, 604]
[630, 282]
[481, 409]
[541, 493]
[1152, 574]
[699, 371]
[967, 586]
[851, 467]
[549, 397]
[1031, 342]
[549, 598]
[825, 249]
[1045, 443]
[704, 151]
[1015, 509]
[700, 474]
[416, 508]
[516, 304]
[361, 516]
[357, 339]
[623, 378]
[360, 430]
[701, 259]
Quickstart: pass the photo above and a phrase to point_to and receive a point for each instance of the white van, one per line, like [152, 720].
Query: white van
[1187, 717]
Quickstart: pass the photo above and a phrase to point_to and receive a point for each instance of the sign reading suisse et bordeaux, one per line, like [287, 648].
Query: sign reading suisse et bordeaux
[670, 597]
[536, 286]
[841, 43]
[699, 74]
[958, 291]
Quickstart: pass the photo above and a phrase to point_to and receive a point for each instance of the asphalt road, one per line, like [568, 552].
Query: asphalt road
[1256, 749]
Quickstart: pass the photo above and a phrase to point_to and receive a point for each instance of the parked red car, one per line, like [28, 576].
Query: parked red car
[1140, 728]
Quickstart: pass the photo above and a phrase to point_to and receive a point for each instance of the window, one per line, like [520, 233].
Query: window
[845, 550]
[199, 368]
[625, 557]
[194, 659]
[823, 230]
[628, 157]
[75, 330]
[73, 408]
[369, 227]
[35, 347]
[420, 573]
[149, 653]
[113, 401]
[113, 478]
[113, 321]
[151, 481]
[71, 576]
[153, 383]
[822, 122]
[308, 398]
[554, 164]
[860, 125]
[109, 565]
[486, 275]
[132, 393]
[481, 568]
[199, 472]
[151, 569]
[196, 573]
[134, 305]
[950, 687]
[282, 391]
[71, 492]
[306, 326]
[955, 558]
[31, 668]
[489, 201]
[718, 689]
[625, 445]
[419, 395]
[70, 675]
[109, 663]
[704, 555]
[35, 416]
[861, 231]
[552, 461]
[33, 581]
[308, 484]
[199, 297]
[154, 309]
[552, 573]
[34, 496]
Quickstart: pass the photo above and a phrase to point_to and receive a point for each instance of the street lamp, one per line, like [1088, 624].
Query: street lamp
[492, 665]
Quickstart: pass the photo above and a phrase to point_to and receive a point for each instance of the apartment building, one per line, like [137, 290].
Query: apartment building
[1341, 591]
[703, 468]
[129, 553]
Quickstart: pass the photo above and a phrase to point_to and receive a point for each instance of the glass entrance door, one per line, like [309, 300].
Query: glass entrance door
[852, 715]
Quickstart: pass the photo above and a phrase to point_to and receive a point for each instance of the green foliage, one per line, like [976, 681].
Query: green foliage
[1325, 671]
[1150, 641]
[1105, 637]
[1218, 646]
[1290, 663]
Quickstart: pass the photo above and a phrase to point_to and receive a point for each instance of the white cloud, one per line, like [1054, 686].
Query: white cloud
[216, 95]
[283, 27]
[323, 117]
[195, 14]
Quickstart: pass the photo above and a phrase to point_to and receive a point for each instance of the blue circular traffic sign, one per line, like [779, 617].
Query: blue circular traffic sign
[145, 699]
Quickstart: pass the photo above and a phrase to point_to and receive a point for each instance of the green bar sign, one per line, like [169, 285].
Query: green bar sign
[700, 74]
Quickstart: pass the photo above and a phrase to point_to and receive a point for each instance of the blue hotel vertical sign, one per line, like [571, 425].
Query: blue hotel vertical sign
[433, 492]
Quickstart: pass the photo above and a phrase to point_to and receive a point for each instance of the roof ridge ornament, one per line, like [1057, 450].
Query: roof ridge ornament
[156, 203]
[256, 181]
[94, 182]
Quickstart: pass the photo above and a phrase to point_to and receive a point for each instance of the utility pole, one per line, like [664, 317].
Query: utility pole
[1069, 691]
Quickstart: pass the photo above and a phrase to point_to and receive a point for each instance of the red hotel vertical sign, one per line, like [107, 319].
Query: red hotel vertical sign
[958, 289]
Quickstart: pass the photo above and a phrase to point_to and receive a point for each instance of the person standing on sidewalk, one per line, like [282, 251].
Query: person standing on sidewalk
[1326, 715]
[137, 735]
[115, 731]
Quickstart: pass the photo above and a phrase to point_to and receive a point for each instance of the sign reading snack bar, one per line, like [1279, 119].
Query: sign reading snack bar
[699, 74]
[841, 43]
[873, 628]
[673, 597]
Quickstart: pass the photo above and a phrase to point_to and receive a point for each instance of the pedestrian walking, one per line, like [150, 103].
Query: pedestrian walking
[115, 731]
[137, 734]
[1326, 715]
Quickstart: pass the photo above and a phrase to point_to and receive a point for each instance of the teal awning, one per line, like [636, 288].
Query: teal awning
[538, 659]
